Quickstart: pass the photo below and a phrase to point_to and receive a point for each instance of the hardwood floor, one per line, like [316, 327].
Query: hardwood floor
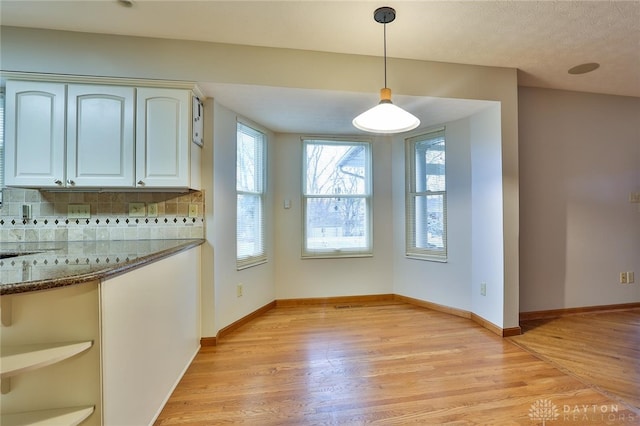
[390, 364]
[601, 349]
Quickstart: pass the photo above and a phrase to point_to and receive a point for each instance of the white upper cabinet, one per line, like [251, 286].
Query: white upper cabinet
[104, 136]
[163, 138]
[100, 136]
[34, 138]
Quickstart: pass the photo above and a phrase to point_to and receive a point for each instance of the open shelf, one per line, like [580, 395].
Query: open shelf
[20, 359]
[59, 416]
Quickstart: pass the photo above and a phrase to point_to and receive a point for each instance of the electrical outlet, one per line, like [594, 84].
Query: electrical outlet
[239, 290]
[483, 289]
[623, 278]
[193, 210]
[26, 212]
[152, 209]
[78, 211]
[137, 210]
[630, 277]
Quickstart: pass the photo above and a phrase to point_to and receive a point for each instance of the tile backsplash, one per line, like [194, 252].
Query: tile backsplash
[110, 219]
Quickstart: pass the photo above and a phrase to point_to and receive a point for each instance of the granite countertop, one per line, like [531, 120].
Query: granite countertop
[55, 264]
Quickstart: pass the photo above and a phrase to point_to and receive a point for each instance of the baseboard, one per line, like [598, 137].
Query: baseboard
[338, 300]
[378, 298]
[502, 332]
[208, 341]
[242, 321]
[556, 313]
[433, 306]
[362, 299]
[511, 331]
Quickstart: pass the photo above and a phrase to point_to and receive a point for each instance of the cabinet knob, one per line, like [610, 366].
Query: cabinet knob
[57, 182]
[140, 182]
[70, 182]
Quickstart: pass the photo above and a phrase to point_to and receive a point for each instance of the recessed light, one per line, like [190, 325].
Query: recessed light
[584, 68]
[125, 3]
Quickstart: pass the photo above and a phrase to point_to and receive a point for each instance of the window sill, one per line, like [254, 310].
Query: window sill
[439, 259]
[334, 255]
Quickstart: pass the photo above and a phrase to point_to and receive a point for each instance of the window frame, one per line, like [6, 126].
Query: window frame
[257, 257]
[366, 196]
[2, 142]
[412, 248]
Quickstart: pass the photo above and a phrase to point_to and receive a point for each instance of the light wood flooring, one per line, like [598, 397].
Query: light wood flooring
[601, 349]
[387, 364]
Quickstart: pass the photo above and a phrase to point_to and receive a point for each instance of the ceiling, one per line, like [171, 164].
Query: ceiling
[541, 39]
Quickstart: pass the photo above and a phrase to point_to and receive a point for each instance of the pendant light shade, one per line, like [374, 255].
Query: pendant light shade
[385, 117]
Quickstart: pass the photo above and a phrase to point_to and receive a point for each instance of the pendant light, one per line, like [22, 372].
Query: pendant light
[385, 117]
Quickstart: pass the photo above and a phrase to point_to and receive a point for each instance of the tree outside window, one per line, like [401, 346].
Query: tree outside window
[337, 198]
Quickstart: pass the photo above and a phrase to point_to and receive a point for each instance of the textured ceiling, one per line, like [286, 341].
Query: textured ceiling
[541, 39]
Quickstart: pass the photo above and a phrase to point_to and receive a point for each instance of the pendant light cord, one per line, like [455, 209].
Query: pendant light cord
[385, 54]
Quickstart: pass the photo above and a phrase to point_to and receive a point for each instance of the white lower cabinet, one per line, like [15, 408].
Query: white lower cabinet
[100, 353]
[150, 334]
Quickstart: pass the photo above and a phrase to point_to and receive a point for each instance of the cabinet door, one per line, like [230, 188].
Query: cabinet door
[34, 138]
[162, 138]
[100, 132]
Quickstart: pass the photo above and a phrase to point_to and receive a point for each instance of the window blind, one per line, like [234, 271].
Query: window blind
[2, 159]
[426, 196]
[250, 190]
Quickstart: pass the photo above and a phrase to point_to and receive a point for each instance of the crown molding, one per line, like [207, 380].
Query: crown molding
[114, 81]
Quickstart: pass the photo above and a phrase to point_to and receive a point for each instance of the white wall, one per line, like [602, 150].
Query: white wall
[475, 223]
[303, 278]
[257, 281]
[442, 283]
[487, 249]
[207, 289]
[579, 160]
